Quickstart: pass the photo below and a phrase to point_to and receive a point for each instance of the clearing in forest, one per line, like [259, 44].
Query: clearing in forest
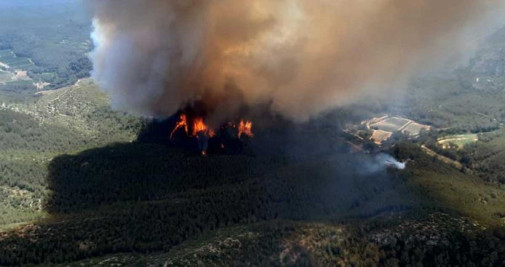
[459, 140]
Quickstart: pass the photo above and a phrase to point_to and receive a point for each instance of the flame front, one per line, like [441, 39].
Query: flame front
[245, 127]
[196, 127]
[199, 126]
[183, 122]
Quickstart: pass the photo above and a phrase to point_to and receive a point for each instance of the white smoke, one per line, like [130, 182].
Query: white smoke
[389, 161]
[380, 162]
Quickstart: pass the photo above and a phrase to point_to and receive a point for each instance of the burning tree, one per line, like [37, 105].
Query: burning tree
[196, 127]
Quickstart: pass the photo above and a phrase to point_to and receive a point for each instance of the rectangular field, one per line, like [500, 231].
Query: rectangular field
[392, 124]
[414, 129]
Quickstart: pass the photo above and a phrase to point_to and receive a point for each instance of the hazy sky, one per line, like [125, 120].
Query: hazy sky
[36, 3]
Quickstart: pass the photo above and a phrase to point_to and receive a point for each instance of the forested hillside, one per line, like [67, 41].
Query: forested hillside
[44, 126]
[82, 184]
[165, 203]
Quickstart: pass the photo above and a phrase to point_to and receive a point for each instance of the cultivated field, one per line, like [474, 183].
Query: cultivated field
[379, 136]
[391, 124]
[8, 58]
[13, 69]
[414, 128]
[460, 140]
[384, 127]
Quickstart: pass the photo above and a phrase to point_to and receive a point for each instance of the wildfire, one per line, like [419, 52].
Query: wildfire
[245, 127]
[183, 122]
[197, 128]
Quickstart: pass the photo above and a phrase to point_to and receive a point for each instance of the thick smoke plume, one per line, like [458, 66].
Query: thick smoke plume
[300, 56]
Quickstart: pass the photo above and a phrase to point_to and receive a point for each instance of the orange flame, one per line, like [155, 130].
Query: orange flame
[199, 126]
[183, 122]
[245, 127]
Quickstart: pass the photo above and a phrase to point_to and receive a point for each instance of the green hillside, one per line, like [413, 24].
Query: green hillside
[72, 173]
[40, 128]
[169, 205]
[84, 185]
